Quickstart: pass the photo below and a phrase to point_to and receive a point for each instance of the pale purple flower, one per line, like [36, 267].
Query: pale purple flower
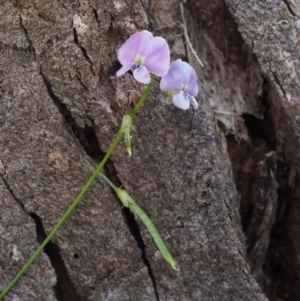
[181, 84]
[143, 54]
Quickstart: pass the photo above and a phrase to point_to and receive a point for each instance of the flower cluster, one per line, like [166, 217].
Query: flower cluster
[144, 54]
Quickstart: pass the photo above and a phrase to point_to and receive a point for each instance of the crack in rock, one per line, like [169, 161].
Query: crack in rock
[64, 289]
[289, 7]
[83, 50]
[31, 48]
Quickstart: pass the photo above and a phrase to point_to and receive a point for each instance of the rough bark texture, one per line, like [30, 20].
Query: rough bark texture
[221, 185]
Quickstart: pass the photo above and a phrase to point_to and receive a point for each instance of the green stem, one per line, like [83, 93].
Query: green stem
[108, 181]
[135, 208]
[129, 202]
[143, 97]
[79, 197]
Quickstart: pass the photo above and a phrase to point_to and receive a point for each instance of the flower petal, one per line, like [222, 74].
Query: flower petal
[135, 45]
[191, 78]
[181, 101]
[180, 74]
[173, 81]
[141, 74]
[193, 102]
[124, 69]
[157, 56]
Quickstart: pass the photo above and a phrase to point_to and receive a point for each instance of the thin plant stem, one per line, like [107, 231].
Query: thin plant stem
[143, 97]
[108, 181]
[79, 197]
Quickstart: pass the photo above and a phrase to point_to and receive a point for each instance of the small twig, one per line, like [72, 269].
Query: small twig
[226, 113]
[187, 36]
